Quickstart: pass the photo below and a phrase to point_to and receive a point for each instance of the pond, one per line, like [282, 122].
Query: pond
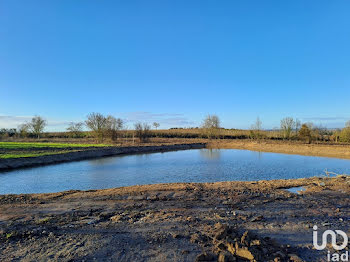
[197, 165]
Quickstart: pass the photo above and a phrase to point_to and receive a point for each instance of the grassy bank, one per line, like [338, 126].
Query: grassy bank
[31, 149]
[25, 145]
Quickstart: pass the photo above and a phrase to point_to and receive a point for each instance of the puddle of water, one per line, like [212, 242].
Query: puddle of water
[296, 190]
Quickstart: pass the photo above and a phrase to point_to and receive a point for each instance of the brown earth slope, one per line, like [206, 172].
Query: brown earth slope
[225, 221]
[326, 150]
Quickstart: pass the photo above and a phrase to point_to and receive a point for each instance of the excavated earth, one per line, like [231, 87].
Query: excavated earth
[225, 221]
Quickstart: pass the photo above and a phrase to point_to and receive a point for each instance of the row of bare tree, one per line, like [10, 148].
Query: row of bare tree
[101, 126]
[290, 128]
[111, 127]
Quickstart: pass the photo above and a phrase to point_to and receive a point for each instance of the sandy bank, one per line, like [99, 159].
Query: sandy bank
[337, 151]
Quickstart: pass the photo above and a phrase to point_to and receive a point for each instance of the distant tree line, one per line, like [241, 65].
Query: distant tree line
[290, 129]
[103, 127]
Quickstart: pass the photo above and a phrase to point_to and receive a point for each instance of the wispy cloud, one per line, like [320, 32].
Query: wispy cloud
[332, 118]
[165, 119]
[330, 121]
[15, 121]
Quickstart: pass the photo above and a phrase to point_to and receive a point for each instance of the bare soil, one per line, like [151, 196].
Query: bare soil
[286, 147]
[225, 221]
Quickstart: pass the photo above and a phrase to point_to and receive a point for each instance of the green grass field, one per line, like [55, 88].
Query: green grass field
[24, 149]
[20, 155]
[26, 145]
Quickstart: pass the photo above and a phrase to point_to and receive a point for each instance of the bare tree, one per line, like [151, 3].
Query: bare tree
[113, 126]
[75, 129]
[10, 132]
[156, 125]
[336, 135]
[120, 124]
[256, 129]
[142, 131]
[211, 125]
[138, 130]
[347, 124]
[287, 125]
[321, 132]
[297, 125]
[98, 124]
[23, 130]
[37, 125]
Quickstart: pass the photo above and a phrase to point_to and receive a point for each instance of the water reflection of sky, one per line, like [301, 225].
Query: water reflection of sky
[202, 165]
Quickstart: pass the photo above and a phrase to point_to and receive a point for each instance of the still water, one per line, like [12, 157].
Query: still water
[198, 165]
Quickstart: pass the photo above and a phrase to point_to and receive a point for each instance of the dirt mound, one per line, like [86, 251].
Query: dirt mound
[228, 244]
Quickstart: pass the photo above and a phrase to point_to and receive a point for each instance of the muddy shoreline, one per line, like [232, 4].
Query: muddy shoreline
[223, 221]
[14, 163]
[284, 147]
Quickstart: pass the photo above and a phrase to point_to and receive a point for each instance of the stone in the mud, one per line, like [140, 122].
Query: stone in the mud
[222, 231]
[245, 239]
[255, 242]
[231, 248]
[221, 246]
[221, 234]
[245, 253]
[175, 235]
[280, 254]
[116, 218]
[105, 215]
[198, 238]
[257, 218]
[226, 257]
[206, 257]
[294, 258]
[152, 198]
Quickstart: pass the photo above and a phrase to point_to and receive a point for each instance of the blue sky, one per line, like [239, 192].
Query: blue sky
[175, 61]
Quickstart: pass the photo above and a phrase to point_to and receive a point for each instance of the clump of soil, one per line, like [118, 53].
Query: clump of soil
[228, 244]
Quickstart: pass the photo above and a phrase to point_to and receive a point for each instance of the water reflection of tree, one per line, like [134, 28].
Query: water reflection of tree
[102, 161]
[210, 153]
[260, 154]
[117, 158]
